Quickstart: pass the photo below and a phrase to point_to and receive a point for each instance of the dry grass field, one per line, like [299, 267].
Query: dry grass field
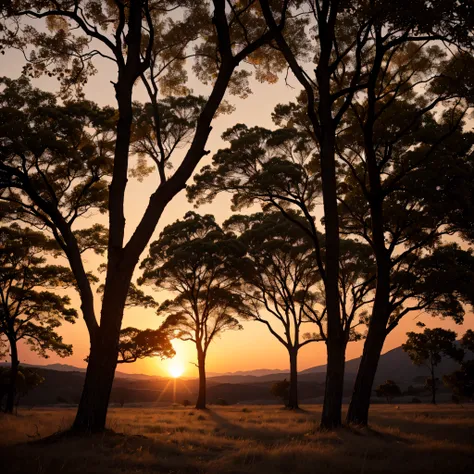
[237, 439]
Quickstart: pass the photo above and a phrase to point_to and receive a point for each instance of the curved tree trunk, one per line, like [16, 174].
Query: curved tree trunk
[201, 400]
[293, 395]
[359, 407]
[13, 376]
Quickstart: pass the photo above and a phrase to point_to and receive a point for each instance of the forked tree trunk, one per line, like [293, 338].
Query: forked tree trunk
[293, 395]
[201, 400]
[13, 376]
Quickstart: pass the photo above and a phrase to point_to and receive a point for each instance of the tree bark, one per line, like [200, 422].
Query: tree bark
[92, 411]
[13, 376]
[293, 395]
[433, 386]
[358, 412]
[332, 405]
[201, 400]
[331, 416]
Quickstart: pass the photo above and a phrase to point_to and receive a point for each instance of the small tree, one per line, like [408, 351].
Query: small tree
[26, 380]
[461, 381]
[281, 390]
[195, 260]
[427, 349]
[28, 312]
[388, 390]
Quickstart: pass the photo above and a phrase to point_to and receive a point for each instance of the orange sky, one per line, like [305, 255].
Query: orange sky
[251, 348]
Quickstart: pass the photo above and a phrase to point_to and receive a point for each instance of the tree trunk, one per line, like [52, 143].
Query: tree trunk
[433, 386]
[201, 400]
[331, 416]
[92, 411]
[293, 396]
[359, 407]
[358, 412]
[332, 405]
[13, 376]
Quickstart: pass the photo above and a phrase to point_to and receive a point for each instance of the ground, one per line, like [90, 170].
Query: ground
[404, 439]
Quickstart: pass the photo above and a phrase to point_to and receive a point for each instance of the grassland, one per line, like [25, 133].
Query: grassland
[252, 439]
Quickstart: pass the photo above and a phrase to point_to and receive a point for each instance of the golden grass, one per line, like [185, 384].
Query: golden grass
[409, 439]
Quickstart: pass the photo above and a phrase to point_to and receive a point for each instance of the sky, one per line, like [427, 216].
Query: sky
[253, 347]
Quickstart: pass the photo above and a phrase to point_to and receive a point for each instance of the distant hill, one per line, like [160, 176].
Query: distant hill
[63, 383]
[395, 365]
[72, 368]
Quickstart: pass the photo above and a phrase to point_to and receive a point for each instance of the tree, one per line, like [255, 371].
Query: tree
[388, 390]
[397, 144]
[28, 311]
[461, 381]
[281, 390]
[195, 260]
[279, 169]
[281, 283]
[350, 37]
[427, 349]
[26, 380]
[148, 41]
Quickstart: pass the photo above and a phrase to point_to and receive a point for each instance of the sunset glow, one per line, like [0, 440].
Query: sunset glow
[175, 368]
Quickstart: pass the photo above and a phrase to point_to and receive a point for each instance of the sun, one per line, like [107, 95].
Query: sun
[175, 368]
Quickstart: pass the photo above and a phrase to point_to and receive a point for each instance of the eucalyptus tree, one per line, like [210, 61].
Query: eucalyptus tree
[402, 150]
[148, 42]
[428, 347]
[346, 34]
[282, 286]
[195, 260]
[279, 169]
[29, 311]
[279, 283]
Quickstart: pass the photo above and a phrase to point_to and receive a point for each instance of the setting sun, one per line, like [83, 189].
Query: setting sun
[176, 368]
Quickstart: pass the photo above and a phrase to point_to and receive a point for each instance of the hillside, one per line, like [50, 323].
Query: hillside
[63, 383]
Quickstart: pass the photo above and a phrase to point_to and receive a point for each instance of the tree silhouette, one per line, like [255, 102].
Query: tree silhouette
[427, 349]
[395, 148]
[388, 390]
[28, 311]
[279, 169]
[26, 380]
[281, 390]
[281, 283]
[352, 40]
[461, 381]
[147, 41]
[195, 260]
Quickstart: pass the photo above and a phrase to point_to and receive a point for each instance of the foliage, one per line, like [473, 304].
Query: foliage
[281, 390]
[137, 344]
[427, 349]
[26, 380]
[29, 310]
[461, 381]
[194, 259]
[388, 390]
